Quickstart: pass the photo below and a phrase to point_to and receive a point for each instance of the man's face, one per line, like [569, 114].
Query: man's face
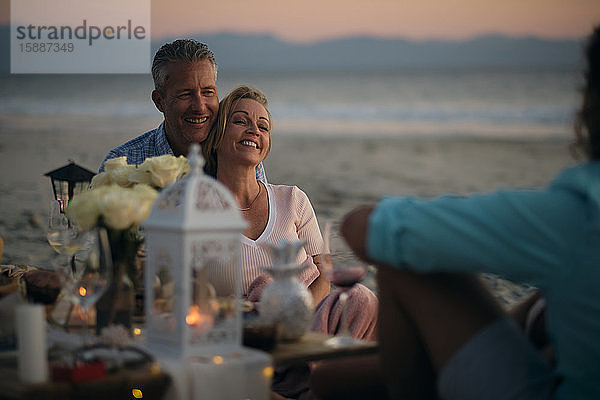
[189, 103]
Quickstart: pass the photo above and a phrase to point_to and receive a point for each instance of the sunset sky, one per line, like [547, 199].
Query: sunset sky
[313, 20]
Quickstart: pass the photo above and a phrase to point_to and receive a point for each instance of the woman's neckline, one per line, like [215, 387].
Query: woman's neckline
[270, 221]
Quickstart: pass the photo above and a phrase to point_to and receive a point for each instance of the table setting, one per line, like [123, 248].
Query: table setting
[126, 296]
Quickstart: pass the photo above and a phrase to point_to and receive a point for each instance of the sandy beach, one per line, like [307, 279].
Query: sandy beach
[337, 173]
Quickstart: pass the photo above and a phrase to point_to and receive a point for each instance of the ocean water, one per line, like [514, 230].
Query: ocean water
[483, 103]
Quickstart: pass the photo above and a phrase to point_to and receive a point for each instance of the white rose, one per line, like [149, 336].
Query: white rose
[145, 192]
[100, 179]
[118, 207]
[140, 175]
[146, 196]
[83, 209]
[115, 163]
[120, 175]
[184, 165]
[162, 170]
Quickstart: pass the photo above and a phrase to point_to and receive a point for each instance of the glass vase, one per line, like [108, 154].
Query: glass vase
[116, 306]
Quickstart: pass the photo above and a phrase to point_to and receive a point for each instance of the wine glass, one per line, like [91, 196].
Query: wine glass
[58, 227]
[344, 270]
[92, 275]
[67, 243]
[62, 235]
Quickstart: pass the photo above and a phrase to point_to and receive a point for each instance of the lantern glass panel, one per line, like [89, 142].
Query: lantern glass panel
[80, 187]
[204, 307]
[61, 192]
[213, 304]
[163, 302]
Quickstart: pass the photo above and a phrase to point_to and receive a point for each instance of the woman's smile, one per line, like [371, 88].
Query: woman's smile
[249, 143]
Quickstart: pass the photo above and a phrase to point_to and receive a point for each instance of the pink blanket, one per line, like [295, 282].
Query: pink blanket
[361, 309]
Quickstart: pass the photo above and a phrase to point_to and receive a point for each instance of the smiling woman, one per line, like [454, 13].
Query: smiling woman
[240, 109]
[238, 142]
[247, 133]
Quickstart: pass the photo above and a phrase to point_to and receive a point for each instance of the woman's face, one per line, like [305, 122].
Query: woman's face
[247, 134]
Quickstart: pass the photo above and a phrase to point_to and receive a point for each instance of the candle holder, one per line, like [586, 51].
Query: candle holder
[193, 236]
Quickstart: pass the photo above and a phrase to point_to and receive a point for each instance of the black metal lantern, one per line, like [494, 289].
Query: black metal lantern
[68, 181]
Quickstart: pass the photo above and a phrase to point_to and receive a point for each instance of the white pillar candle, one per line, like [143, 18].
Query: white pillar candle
[242, 374]
[31, 342]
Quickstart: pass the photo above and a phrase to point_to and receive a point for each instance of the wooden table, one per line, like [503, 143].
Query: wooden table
[152, 385]
[311, 347]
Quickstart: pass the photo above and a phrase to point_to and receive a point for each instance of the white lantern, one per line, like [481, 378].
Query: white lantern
[193, 238]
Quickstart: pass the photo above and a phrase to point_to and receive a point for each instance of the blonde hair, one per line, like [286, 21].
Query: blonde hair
[226, 106]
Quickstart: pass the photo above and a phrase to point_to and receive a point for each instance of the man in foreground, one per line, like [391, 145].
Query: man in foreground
[441, 333]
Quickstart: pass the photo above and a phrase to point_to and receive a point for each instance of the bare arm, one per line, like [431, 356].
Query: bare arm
[320, 286]
[354, 229]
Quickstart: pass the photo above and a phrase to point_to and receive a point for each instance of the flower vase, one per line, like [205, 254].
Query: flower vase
[117, 304]
[286, 302]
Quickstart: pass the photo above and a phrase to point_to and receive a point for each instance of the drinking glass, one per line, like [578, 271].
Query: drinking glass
[92, 275]
[344, 270]
[62, 235]
[67, 243]
[58, 227]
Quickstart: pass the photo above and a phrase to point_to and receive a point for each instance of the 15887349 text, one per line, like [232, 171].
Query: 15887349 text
[46, 47]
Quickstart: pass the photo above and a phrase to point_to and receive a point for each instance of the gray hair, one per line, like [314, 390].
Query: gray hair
[181, 50]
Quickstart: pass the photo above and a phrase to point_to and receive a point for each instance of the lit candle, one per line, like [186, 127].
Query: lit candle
[201, 322]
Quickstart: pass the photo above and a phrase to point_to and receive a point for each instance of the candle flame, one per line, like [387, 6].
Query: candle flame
[82, 291]
[200, 320]
[218, 360]
[193, 315]
[63, 201]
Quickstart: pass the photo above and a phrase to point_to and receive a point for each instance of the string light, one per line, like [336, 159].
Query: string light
[268, 372]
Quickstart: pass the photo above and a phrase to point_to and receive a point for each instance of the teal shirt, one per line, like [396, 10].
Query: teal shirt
[548, 238]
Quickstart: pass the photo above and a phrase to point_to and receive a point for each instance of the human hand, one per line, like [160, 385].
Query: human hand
[354, 229]
[257, 286]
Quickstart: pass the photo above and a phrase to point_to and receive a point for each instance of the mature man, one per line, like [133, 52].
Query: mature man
[185, 91]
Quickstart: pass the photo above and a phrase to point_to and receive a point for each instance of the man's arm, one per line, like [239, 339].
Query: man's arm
[354, 229]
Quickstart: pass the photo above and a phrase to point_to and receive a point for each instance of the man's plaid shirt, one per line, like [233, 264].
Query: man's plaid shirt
[151, 144]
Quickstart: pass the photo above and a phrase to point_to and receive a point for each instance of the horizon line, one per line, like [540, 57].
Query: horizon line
[162, 37]
[371, 36]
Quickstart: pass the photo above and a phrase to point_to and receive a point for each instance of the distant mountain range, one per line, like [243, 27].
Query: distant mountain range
[267, 52]
[264, 52]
